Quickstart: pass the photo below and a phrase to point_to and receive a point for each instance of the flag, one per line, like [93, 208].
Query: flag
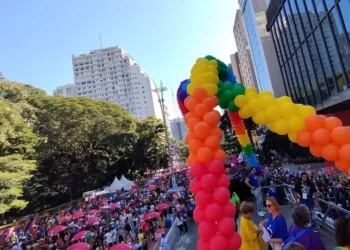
[28, 226]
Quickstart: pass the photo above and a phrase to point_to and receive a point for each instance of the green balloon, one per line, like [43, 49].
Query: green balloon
[227, 96]
[232, 107]
[223, 103]
[238, 89]
[221, 84]
[227, 86]
[219, 93]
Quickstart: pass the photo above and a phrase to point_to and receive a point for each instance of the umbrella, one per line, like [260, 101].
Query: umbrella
[151, 216]
[121, 247]
[92, 220]
[77, 215]
[113, 206]
[174, 189]
[56, 230]
[151, 187]
[65, 218]
[162, 206]
[94, 211]
[79, 246]
[119, 198]
[80, 235]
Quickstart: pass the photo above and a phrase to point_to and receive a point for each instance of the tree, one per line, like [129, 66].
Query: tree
[183, 151]
[230, 143]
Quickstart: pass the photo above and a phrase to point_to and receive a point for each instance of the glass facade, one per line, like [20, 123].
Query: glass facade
[311, 38]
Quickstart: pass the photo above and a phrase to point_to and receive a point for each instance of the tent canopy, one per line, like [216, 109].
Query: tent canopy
[127, 184]
[116, 185]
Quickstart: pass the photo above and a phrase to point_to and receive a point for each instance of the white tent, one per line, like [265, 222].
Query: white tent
[127, 184]
[116, 185]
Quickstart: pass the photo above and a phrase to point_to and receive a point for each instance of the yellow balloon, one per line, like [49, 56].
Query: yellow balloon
[289, 110]
[245, 112]
[268, 102]
[272, 127]
[260, 118]
[212, 89]
[250, 90]
[251, 96]
[283, 99]
[201, 60]
[265, 93]
[255, 105]
[273, 114]
[213, 63]
[292, 136]
[281, 126]
[240, 101]
[306, 110]
[296, 124]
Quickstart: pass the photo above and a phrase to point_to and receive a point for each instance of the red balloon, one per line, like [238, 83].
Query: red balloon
[234, 241]
[226, 226]
[209, 182]
[203, 245]
[321, 136]
[219, 242]
[221, 195]
[198, 170]
[203, 198]
[206, 229]
[195, 186]
[216, 167]
[213, 211]
[224, 181]
[198, 214]
[229, 210]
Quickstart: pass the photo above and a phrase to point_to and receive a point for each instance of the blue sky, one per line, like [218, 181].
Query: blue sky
[165, 37]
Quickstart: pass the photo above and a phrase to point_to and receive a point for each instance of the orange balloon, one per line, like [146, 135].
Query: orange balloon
[316, 150]
[199, 94]
[211, 101]
[191, 104]
[188, 116]
[304, 138]
[191, 160]
[212, 118]
[194, 145]
[321, 136]
[189, 137]
[330, 152]
[344, 152]
[192, 122]
[212, 142]
[201, 109]
[331, 123]
[314, 122]
[342, 166]
[216, 132]
[205, 155]
[201, 130]
[220, 155]
[340, 135]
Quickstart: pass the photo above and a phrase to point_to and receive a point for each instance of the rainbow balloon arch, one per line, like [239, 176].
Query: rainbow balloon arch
[213, 83]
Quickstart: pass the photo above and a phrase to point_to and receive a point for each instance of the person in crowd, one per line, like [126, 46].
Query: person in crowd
[250, 233]
[252, 182]
[179, 223]
[276, 224]
[164, 243]
[342, 233]
[294, 246]
[300, 231]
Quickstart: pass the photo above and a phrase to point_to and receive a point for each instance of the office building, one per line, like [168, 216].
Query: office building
[311, 39]
[243, 59]
[67, 90]
[262, 49]
[178, 129]
[235, 65]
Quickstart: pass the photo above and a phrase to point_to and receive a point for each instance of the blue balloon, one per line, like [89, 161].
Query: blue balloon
[231, 76]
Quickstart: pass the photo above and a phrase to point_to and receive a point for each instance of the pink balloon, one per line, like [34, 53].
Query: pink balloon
[229, 210]
[216, 167]
[206, 229]
[198, 214]
[203, 198]
[226, 226]
[235, 241]
[213, 211]
[198, 170]
[209, 182]
[203, 245]
[221, 195]
[224, 181]
[195, 186]
[219, 242]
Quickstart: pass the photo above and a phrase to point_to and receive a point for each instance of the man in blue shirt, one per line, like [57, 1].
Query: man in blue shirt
[252, 182]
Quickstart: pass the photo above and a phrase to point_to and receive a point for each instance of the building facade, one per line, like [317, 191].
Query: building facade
[178, 129]
[235, 65]
[262, 49]
[311, 39]
[67, 90]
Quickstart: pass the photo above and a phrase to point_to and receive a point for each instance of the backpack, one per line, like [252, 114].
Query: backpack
[294, 237]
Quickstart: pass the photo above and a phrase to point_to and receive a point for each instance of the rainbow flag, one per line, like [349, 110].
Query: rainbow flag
[178, 194]
[9, 232]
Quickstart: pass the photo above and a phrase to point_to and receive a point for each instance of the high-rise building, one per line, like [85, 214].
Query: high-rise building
[235, 65]
[263, 54]
[312, 42]
[178, 129]
[66, 90]
[243, 58]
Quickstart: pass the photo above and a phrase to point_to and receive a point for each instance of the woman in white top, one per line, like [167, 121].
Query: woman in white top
[164, 243]
[179, 223]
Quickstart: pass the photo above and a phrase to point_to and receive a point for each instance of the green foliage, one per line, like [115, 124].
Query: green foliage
[183, 151]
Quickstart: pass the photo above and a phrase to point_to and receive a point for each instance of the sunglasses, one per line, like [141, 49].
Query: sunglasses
[269, 205]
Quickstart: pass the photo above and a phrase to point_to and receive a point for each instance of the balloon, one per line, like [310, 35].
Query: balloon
[321, 136]
[189, 116]
[212, 118]
[288, 110]
[216, 167]
[190, 136]
[238, 89]
[292, 136]
[198, 214]
[314, 122]
[342, 165]
[260, 118]
[209, 182]
[201, 130]
[340, 135]
[198, 170]
[205, 154]
[232, 107]
[194, 145]
[305, 111]
[218, 242]
[284, 99]
[221, 195]
[203, 245]
[212, 142]
[265, 93]
[251, 96]
[235, 241]
[229, 210]
[211, 101]
[224, 181]
[212, 89]
[316, 150]
[330, 152]
[344, 152]
[255, 105]
[203, 198]
[273, 114]
[195, 186]
[245, 112]
[213, 211]
[200, 94]
[206, 229]
[223, 103]
[240, 101]
[331, 123]
[226, 226]
[268, 102]
[295, 124]
[216, 132]
[227, 86]
[251, 90]
[220, 155]
[281, 126]
[201, 109]
[304, 138]
[191, 160]
[191, 103]
[191, 123]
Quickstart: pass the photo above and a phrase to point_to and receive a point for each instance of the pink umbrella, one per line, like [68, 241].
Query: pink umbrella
[94, 211]
[77, 215]
[80, 235]
[92, 220]
[56, 230]
[151, 187]
[113, 206]
[162, 206]
[79, 246]
[65, 218]
[151, 216]
[121, 247]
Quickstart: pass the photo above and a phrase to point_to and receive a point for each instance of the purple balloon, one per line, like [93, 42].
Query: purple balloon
[182, 96]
